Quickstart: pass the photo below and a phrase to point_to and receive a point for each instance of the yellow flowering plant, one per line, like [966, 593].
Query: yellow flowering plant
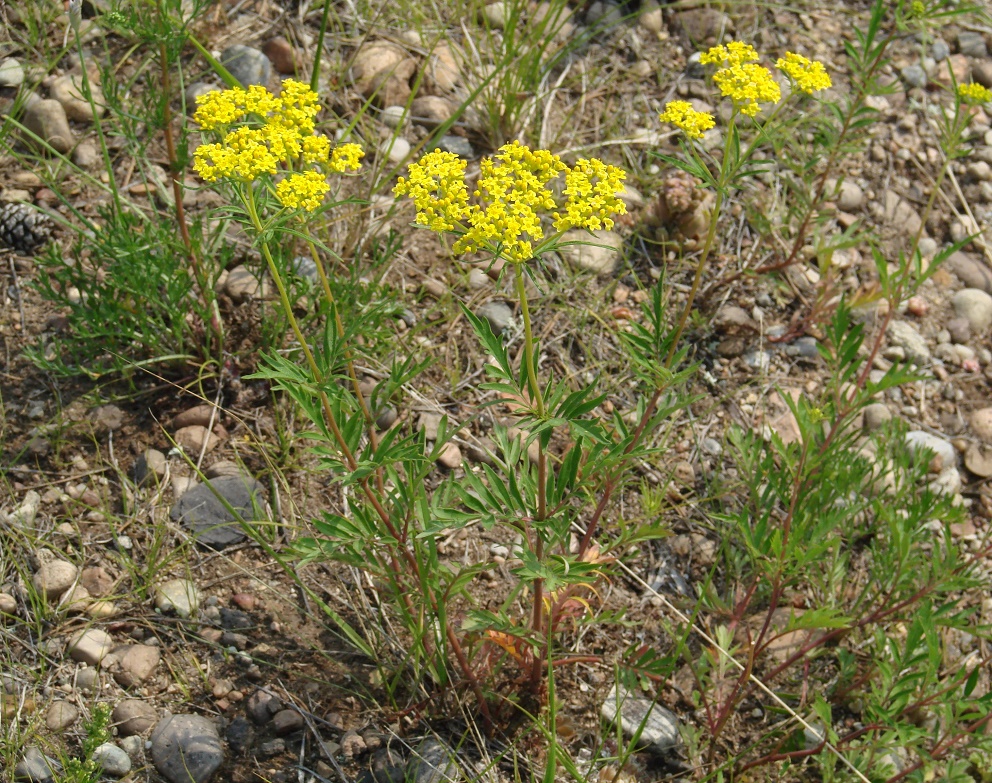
[519, 209]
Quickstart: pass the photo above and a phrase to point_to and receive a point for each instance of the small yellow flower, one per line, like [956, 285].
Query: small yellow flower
[437, 187]
[347, 157]
[253, 156]
[316, 149]
[219, 108]
[748, 85]
[693, 123]
[591, 188]
[974, 93]
[213, 161]
[302, 191]
[809, 76]
[512, 188]
[734, 53]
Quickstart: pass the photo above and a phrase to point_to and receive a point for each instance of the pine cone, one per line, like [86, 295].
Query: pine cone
[23, 228]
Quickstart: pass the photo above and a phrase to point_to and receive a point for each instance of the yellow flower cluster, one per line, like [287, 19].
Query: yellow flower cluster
[347, 157]
[809, 76]
[511, 194]
[734, 53]
[591, 188]
[747, 85]
[437, 187]
[974, 93]
[693, 123]
[305, 190]
[512, 188]
[270, 130]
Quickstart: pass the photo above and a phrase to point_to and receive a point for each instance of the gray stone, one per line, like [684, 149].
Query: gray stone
[758, 361]
[939, 50]
[179, 596]
[54, 578]
[432, 762]
[87, 680]
[90, 646]
[850, 196]
[11, 73]
[975, 306]
[113, 760]
[272, 747]
[61, 715]
[657, 726]
[597, 251]
[387, 766]
[206, 517]
[972, 270]
[876, 416]
[499, 315]
[306, 267]
[393, 116]
[47, 120]
[918, 440]
[186, 748]
[36, 767]
[914, 76]
[972, 44]
[396, 149]
[262, 706]
[247, 64]
[133, 716]
[239, 735]
[982, 73]
[429, 422]
[906, 336]
[25, 514]
[457, 145]
[494, 14]
[134, 747]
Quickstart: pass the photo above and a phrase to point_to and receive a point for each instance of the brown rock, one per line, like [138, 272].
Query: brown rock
[431, 111]
[54, 578]
[137, 664]
[282, 55]
[383, 69]
[133, 716]
[47, 120]
[90, 646]
[978, 459]
[450, 456]
[981, 424]
[61, 715]
[287, 721]
[68, 91]
[97, 580]
[192, 439]
[198, 415]
[443, 73]
[702, 24]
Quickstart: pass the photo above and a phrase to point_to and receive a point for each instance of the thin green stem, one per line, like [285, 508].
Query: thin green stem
[87, 92]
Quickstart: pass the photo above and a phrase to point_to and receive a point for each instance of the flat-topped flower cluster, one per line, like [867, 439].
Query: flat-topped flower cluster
[510, 196]
[747, 84]
[266, 134]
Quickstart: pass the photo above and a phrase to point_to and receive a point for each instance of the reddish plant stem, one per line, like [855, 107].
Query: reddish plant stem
[177, 196]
